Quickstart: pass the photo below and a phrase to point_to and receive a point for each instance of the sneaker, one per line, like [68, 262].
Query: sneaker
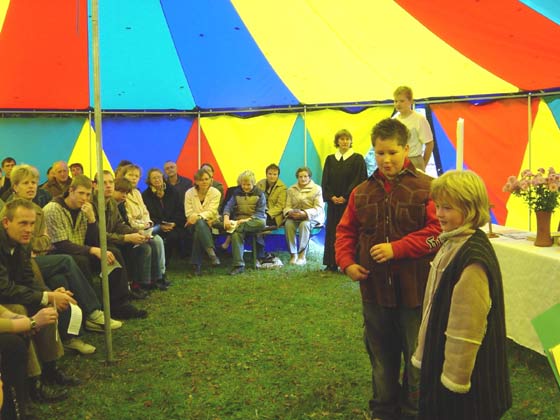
[214, 260]
[96, 322]
[43, 393]
[301, 261]
[293, 259]
[78, 345]
[128, 311]
[237, 270]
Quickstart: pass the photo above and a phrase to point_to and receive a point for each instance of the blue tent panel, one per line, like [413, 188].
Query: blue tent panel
[148, 142]
[220, 58]
[140, 68]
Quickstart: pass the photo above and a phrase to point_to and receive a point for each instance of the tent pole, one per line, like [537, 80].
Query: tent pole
[198, 140]
[305, 135]
[100, 195]
[529, 141]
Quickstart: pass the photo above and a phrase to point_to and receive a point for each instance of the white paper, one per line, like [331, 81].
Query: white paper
[75, 319]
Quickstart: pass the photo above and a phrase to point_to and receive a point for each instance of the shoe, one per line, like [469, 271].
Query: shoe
[148, 287]
[301, 261]
[138, 294]
[161, 286]
[214, 261]
[332, 268]
[197, 269]
[293, 260]
[58, 377]
[79, 346]
[43, 393]
[128, 311]
[237, 270]
[96, 322]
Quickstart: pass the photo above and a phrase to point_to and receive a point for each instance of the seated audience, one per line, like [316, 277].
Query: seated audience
[22, 293]
[216, 184]
[13, 353]
[61, 182]
[304, 210]
[76, 169]
[246, 208]
[166, 212]
[201, 210]
[73, 229]
[134, 245]
[138, 217]
[5, 189]
[180, 183]
[58, 271]
[275, 192]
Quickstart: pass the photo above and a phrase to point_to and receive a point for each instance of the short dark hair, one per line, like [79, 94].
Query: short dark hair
[8, 159]
[342, 133]
[78, 164]
[123, 185]
[390, 128]
[13, 205]
[272, 166]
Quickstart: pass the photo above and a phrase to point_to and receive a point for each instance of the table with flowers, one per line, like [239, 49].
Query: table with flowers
[531, 279]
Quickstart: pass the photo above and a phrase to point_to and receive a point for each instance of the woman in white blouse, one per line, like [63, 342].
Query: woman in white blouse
[139, 218]
[201, 209]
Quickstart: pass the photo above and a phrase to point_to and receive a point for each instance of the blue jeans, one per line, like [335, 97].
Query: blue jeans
[138, 260]
[61, 271]
[389, 335]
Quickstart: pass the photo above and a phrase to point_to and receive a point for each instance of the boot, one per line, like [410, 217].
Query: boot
[42, 393]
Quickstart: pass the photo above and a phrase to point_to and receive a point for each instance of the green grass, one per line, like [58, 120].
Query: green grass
[278, 344]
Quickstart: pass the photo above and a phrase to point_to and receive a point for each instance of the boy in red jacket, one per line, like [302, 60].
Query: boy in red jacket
[386, 240]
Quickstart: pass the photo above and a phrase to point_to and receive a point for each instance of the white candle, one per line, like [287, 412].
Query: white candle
[460, 143]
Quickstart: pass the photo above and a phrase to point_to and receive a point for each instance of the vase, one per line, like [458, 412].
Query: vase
[543, 228]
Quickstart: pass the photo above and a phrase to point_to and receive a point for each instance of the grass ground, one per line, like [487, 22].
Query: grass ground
[282, 344]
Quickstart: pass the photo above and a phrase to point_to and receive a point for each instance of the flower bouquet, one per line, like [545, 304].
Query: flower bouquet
[540, 191]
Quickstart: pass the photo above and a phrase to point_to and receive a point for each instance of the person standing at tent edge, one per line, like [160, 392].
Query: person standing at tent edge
[421, 136]
[385, 240]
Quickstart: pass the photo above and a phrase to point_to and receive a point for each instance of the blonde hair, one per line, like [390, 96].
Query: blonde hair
[22, 172]
[403, 90]
[247, 176]
[466, 192]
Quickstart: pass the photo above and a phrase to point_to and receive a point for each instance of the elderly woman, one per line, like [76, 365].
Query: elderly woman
[303, 211]
[343, 171]
[139, 218]
[247, 207]
[166, 211]
[201, 209]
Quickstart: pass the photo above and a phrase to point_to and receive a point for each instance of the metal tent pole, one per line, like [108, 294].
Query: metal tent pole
[100, 195]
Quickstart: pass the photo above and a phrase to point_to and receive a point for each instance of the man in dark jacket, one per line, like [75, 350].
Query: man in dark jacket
[18, 286]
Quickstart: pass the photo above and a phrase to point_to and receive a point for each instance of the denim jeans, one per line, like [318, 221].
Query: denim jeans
[61, 271]
[138, 260]
[390, 335]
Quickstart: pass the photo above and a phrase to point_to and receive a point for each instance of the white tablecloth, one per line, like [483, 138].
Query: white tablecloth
[531, 278]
